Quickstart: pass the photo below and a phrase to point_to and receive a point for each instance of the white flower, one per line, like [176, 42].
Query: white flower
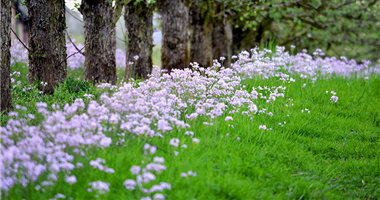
[229, 118]
[156, 188]
[174, 142]
[156, 167]
[71, 179]
[102, 187]
[264, 127]
[59, 196]
[166, 185]
[158, 159]
[105, 142]
[146, 146]
[109, 170]
[129, 184]
[334, 99]
[196, 140]
[135, 169]
[191, 133]
[158, 196]
[147, 177]
[153, 149]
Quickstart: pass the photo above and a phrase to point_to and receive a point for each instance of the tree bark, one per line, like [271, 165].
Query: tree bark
[201, 36]
[47, 43]
[5, 62]
[139, 34]
[100, 41]
[222, 43]
[175, 34]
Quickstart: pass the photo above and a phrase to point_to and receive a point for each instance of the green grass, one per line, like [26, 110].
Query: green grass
[330, 153]
[156, 55]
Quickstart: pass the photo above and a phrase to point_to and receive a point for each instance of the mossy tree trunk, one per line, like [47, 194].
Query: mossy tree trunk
[139, 35]
[100, 41]
[175, 34]
[47, 43]
[201, 33]
[5, 42]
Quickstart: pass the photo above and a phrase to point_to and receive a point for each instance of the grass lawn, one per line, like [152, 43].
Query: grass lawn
[312, 147]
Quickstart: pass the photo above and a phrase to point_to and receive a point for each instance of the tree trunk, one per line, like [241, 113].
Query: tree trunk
[47, 44]
[139, 33]
[100, 41]
[175, 34]
[222, 43]
[5, 62]
[201, 37]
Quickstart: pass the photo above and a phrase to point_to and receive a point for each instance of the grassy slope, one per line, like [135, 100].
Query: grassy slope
[330, 153]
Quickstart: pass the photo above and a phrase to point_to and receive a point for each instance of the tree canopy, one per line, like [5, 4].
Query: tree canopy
[337, 27]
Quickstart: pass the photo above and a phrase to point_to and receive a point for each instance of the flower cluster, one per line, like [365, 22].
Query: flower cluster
[153, 108]
[147, 174]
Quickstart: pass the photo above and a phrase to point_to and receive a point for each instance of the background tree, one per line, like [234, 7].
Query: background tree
[100, 40]
[47, 43]
[175, 33]
[201, 29]
[139, 39]
[5, 62]
[222, 34]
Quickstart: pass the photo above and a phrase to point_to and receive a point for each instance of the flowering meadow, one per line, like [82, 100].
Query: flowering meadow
[274, 124]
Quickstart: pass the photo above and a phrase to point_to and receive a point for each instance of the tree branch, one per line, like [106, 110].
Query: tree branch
[68, 35]
[118, 8]
[19, 39]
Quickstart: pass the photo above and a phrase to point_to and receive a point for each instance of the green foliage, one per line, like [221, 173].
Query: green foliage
[348, 28]
[72, 85]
